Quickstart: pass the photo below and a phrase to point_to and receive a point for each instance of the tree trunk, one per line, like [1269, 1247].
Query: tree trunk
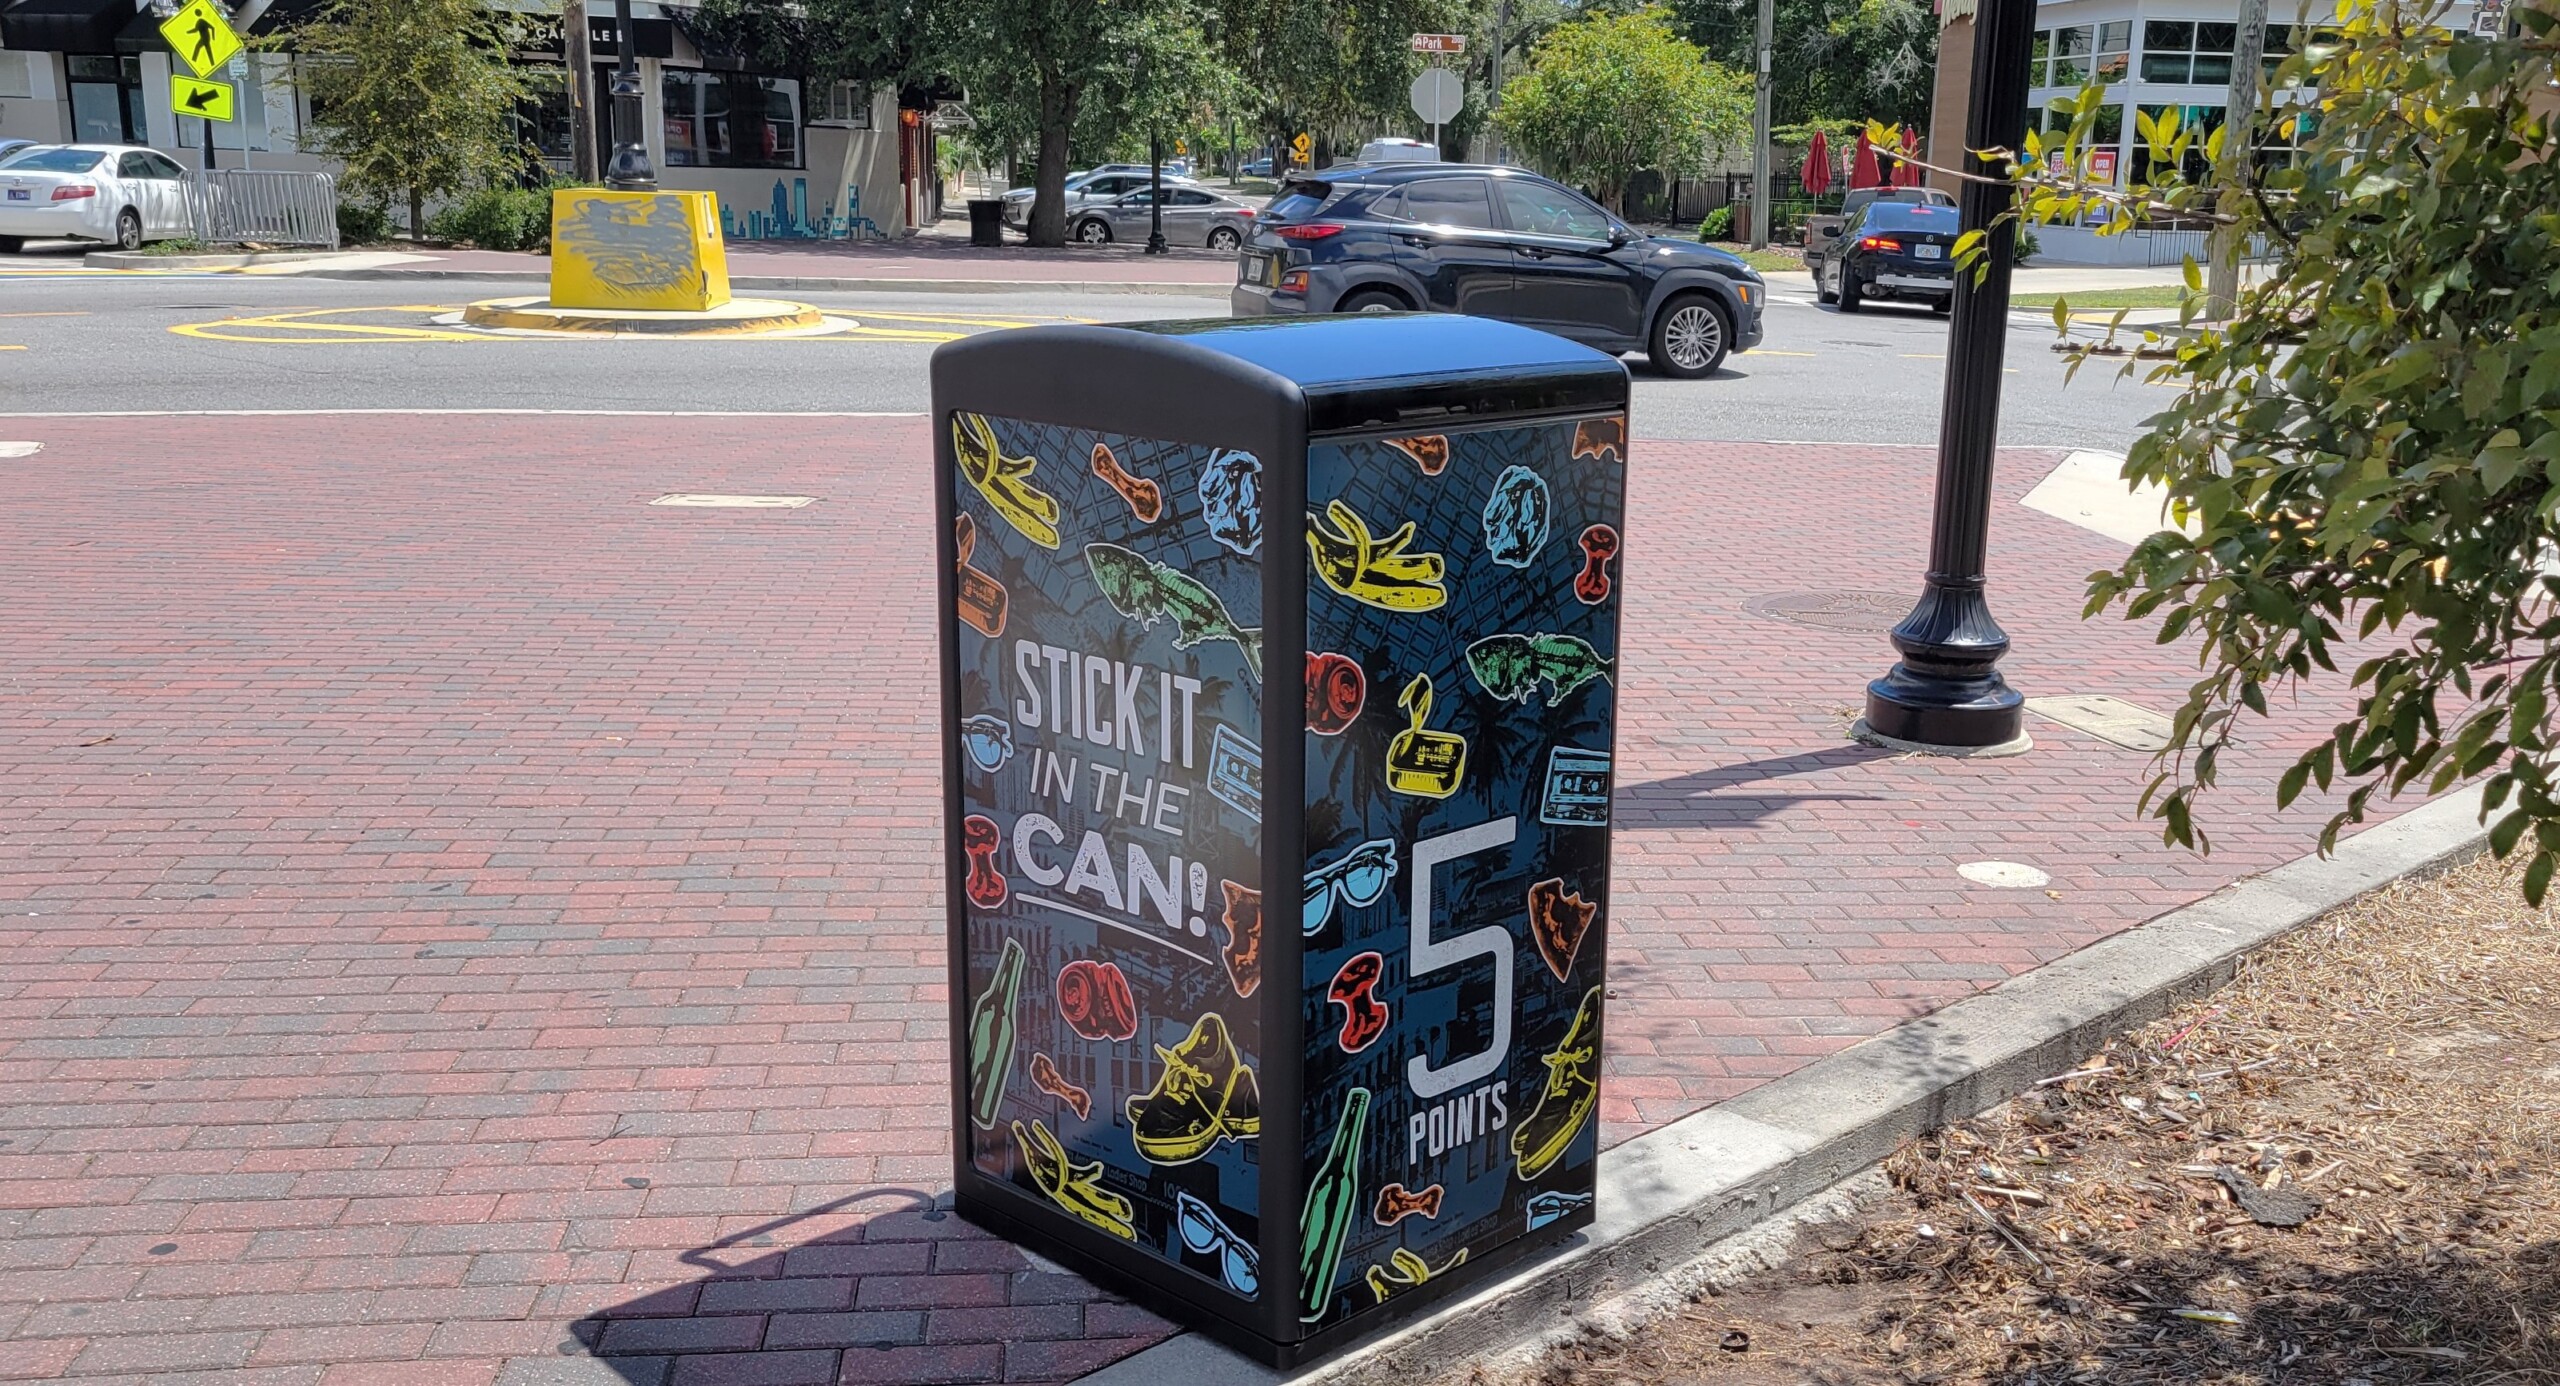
[417, 214]
[2232, 174]
[1049, 180]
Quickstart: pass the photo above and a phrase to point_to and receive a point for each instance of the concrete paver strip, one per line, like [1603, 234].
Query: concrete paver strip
[440, 890]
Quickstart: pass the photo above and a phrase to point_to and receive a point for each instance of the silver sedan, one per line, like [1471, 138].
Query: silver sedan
[1192, 216]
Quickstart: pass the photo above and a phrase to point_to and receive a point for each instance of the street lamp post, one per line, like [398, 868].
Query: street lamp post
[629, 169]
[1946, 693]
[1155, 194]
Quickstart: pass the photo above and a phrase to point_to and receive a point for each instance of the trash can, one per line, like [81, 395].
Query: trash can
[986, 221]
[1293, 1141]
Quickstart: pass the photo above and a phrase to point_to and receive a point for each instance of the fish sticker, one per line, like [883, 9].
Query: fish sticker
[1512, 666]
[1601, 439]
[1231, 500]
[1515, 517]
[1145, 498]
[1145, 591]
[1429, 451]
[1364, 568]
[1004, 481]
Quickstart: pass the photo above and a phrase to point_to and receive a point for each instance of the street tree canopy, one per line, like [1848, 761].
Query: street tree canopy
[1611, 95]
[2369, 450]
[1832, 59]
[414, 98]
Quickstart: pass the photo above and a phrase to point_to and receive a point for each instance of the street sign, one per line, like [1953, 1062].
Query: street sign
[200, 34]
[1437, 94]
[1303, 146]
[189, 96]
[1439, 43]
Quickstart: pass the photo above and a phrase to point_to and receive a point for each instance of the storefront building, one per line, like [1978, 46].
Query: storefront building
[843, 161]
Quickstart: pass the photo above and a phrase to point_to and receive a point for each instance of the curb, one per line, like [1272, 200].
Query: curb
[135, 260]
[808, 284]
[1669, 1196]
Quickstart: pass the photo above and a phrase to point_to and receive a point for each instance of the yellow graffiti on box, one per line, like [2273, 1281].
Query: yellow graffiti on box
[638, 250]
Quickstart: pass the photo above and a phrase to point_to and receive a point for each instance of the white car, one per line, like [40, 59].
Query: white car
[1105, 184]
[120, 194]
[1399, 151]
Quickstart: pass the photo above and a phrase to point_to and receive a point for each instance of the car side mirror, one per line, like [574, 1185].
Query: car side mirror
[1620, 238]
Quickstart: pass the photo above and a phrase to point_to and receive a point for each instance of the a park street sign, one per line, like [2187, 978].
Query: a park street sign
[190, 97]
[1439, 43]
[201, 35]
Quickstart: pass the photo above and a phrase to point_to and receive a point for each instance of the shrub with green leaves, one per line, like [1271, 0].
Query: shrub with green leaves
[497, 218]
[363, 223]
[2369, 448]
[1718, 225]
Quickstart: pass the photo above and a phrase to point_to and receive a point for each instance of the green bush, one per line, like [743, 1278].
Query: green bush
[1718, 226]
[496, 218]
[2027, 245]
[363, 223]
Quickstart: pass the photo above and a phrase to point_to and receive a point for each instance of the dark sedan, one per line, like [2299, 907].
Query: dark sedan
[1892, 250]
[1497, 243]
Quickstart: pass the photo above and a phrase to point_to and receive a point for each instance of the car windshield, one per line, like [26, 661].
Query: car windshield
[55, 160]
[1910, 216]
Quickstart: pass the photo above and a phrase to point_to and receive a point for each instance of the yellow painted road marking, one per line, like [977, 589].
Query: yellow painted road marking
[257, 328]
[12, 348]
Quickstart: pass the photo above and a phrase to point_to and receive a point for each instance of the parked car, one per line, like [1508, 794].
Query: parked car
[1192, 216]
[1094, 185]
[1824, 228]
[1897, 250]
[121, 194]
[1256, 168]
[1499, 243]
[1398, 151]
[9, 147]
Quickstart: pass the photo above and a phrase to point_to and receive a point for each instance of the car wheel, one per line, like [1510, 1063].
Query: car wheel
[1371, 301]
[11, 245]
[1093, 232]
[1944, 306]
[1690, 338]
[1221, 238]
[1849, 296]
[128, 230]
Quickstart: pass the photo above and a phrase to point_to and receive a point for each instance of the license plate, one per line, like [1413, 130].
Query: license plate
[1261, 269]
[21, 195]
[1930, 252]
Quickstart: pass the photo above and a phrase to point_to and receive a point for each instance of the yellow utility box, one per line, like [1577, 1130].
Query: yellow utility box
[637, 250]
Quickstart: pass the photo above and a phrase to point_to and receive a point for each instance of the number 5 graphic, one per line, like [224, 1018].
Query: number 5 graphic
[1431, 955]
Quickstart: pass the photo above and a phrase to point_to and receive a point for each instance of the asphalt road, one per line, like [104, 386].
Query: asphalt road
[96, 343]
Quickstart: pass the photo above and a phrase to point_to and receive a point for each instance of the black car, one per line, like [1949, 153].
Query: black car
[1897, 250]
[1497, 243]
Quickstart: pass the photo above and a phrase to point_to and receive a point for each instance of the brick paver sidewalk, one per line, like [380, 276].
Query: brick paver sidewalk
[457, 920]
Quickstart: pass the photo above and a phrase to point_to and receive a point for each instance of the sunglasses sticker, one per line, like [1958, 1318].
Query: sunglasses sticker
[1205, 1234]
[1358, 877]
[1145, 498]
[1552, 1205]
[987, 740]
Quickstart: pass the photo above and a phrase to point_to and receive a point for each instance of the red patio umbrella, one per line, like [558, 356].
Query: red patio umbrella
[1817, 165]
[1907, 173]
[1862, 166]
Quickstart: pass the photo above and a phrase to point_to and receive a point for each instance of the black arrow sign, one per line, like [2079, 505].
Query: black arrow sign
[203, 97]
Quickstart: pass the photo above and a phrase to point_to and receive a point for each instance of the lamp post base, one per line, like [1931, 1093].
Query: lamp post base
[1977, 714]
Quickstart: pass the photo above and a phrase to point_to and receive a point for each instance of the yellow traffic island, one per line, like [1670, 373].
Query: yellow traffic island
[737, 317]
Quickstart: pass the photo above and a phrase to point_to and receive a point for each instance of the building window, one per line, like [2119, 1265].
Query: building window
[730, 119]
[542, 117]
[849, 105]
[106, 98]
[2184, 51]
[2115, 51]
[2072, 57]
[2203, 120]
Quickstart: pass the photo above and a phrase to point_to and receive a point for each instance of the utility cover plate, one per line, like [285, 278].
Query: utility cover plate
[1862, 613]
[700, 501]
[2111, 720]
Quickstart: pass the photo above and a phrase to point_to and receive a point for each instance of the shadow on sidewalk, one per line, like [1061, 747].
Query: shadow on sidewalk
[1691, 800]
[910, 1293]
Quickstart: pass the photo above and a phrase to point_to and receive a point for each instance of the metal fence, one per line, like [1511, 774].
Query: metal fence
[2173, 247]
[267, 206]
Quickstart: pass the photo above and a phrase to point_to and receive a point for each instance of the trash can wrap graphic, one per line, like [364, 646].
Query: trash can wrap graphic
[1291, 1139]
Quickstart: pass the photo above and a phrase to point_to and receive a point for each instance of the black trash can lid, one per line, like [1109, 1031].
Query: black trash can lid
[1354, 371]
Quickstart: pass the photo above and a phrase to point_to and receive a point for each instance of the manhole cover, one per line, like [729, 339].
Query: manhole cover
[1864, 613]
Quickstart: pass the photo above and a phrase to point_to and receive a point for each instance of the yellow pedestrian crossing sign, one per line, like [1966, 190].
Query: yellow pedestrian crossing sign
[201, 35]
[191, 97]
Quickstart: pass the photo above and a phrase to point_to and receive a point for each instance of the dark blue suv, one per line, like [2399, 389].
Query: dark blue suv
[1498, 243]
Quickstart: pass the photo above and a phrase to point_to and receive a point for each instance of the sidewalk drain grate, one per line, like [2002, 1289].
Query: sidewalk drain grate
[2112, 720]
[1862, 613]
[697, 501]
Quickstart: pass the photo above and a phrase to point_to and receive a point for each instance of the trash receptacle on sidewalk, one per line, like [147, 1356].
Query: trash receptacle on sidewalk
[1290, 1140]
[986, 221]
